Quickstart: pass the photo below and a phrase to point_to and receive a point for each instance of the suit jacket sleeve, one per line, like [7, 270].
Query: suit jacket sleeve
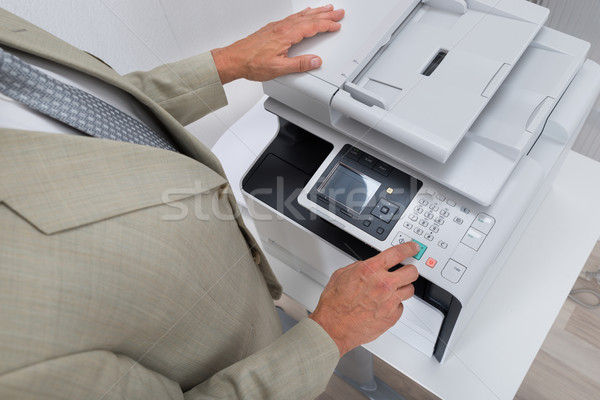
[188, 89]
[298, 365]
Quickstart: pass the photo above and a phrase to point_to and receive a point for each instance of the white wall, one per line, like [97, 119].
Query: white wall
[581, 18]
[141, 34]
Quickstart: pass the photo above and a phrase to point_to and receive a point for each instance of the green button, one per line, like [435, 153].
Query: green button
[421, 252]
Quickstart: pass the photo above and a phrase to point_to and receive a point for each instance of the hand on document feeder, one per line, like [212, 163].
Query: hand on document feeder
[436, 122]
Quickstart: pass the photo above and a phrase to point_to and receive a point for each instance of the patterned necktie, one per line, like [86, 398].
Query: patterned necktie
[72, 106]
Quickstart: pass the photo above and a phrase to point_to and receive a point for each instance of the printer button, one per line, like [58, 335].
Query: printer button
[483, 223]
[353, 153]
[346, 212]
[401, 238]
[383, 168]
[473, 238]
[453, 271]
[431, 262]
[421, 250]
[367, 160]
[384, 210]
[322, 198]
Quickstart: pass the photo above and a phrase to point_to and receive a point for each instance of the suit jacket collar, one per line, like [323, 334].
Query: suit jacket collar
[58, 182]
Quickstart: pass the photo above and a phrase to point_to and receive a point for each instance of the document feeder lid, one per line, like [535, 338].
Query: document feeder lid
[420, 72]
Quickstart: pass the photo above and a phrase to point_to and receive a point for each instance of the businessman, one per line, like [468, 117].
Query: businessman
[101, 295]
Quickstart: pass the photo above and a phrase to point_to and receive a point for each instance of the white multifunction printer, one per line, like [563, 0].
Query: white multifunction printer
[442, 122]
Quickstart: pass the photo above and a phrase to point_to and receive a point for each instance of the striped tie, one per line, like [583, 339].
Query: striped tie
[72, 106]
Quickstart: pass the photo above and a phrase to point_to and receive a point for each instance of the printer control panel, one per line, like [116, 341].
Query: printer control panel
[394, 207]
[449, 234]
[364, 192]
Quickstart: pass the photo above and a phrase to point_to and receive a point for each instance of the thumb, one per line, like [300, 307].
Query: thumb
[305, 63]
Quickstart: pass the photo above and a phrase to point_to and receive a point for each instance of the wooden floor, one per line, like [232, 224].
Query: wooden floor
[566, 367]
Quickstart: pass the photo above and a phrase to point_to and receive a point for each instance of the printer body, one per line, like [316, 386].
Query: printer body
[442, 122]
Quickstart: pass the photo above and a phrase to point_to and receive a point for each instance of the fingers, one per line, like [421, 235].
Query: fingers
[310, 21]
[300, 64]
[309, 28]
[335, 15]
[322, 12]
[319, 26]
[393, 256]
[318, 10]
[405, 292]
[401, 279]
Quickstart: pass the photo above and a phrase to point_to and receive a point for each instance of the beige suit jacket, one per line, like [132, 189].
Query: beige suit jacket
[126, 271]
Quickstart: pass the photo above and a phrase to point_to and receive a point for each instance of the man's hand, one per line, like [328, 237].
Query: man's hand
[364, 299]
[264, 54]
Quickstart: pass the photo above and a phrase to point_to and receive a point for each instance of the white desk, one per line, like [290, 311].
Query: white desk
[496, 350]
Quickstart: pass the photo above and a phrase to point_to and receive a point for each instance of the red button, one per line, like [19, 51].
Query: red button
[431, 262]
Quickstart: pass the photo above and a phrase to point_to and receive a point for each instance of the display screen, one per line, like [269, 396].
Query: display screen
[349, 187]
